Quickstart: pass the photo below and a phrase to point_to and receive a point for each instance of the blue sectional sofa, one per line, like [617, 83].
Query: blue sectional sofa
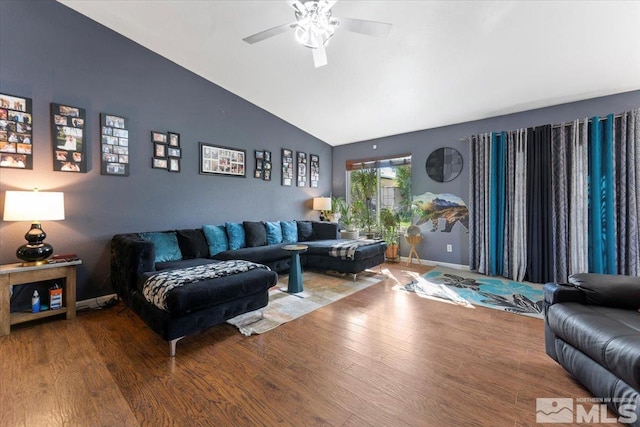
[199, 304]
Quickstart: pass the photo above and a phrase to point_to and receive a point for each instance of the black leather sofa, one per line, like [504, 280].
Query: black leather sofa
[200, 305]
[592, 328]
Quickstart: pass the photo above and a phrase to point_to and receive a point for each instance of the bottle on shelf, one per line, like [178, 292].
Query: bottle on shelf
[35, 302]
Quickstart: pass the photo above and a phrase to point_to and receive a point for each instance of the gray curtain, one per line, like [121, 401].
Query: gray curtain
[627, 184]
[579, 198]
[480, 149]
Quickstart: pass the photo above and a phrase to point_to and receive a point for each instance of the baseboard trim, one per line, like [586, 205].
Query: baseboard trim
[96, 302]
[430, 263]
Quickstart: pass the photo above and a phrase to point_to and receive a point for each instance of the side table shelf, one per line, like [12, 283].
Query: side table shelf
[16, 274]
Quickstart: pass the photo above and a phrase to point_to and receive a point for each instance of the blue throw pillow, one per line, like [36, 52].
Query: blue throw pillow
[216, 238]
[235, 232]
[289, 232]
[274, 232]
[166, 244]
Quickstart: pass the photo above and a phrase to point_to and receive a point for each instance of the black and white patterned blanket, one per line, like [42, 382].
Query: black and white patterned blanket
[156, 287]
[346, 249]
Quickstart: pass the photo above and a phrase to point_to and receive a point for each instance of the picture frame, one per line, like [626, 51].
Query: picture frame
[174, 139]
[174, 164]
[314, 170]
[159, 150]
[159, 163]
[114, 145]
[221, 160]
[16, 132]
[68, 138]
[174, 152]
[158, 137]
[287, 168]
[301, 167]
[263, 163]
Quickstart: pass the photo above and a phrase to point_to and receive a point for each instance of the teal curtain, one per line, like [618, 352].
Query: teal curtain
[602, 222]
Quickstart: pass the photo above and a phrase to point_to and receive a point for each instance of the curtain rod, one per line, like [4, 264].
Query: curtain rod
[559, 125]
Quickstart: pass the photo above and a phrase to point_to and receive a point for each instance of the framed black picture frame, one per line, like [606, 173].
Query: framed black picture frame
[157, 163]
[314, 170]
[263, 163]
[173, 139]
[301, 167]
[287, 167]
[159, 137]
[174, 152]
[68, 138]
[114, 145]
[16, 132]
[173, 164]
[220, 160]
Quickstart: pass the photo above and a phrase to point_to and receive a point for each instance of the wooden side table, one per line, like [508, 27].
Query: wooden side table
[16, 274]
[413, 241]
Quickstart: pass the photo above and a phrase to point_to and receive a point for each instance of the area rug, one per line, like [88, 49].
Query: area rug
[319, 290]
[469, 289]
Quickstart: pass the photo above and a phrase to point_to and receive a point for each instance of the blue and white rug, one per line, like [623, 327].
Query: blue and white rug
[468, 289]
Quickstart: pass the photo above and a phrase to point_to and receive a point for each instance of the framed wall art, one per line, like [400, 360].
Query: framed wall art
[67, 134]
[218, 160]
[302, 168]
[287, 167]
[16, 132]
[314, 170]
[114, 145]
[263, 165]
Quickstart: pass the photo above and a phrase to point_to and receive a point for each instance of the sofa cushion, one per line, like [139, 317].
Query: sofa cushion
[608, 289]
[305, 231]
[192, 244]
[255, 233]
[216, 236]
[610, 336]
[235, 232]
[274, 232]
[289, 231]
[325, 230]
[166, 243]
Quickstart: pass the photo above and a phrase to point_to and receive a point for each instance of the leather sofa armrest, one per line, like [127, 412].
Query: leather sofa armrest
[555, 293]
[611, 290]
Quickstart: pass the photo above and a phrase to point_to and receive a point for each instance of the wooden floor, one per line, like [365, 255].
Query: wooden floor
[380, 357]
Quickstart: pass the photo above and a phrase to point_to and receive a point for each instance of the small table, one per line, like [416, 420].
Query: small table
[295, 270]
[413, 240]
[16, 274]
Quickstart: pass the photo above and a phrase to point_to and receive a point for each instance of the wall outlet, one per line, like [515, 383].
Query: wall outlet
[449, 248]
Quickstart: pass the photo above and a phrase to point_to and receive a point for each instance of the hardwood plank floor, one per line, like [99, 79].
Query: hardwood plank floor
[379, 357]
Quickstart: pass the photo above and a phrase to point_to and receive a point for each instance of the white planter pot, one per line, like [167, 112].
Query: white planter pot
[351, 235]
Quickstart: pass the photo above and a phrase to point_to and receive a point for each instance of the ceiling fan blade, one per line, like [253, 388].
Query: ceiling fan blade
[262, 35]
[369, 28]
[319, 56]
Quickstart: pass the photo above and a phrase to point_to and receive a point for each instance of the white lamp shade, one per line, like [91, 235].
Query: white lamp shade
[33, 206]
[322, 203]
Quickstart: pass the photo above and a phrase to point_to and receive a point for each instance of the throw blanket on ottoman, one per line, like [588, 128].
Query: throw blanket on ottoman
[346, 249]
[156, 288]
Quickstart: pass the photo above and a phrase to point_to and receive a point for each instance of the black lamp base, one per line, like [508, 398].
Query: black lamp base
[35, 252]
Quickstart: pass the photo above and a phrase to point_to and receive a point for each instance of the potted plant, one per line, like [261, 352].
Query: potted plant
[346, 219]
[337, 206]
[365, 217]
[390, 222]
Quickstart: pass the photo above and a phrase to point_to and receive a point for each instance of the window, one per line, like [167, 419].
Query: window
[376, 184]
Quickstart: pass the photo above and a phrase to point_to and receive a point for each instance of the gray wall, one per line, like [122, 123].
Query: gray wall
[52, 54]
[421, 144]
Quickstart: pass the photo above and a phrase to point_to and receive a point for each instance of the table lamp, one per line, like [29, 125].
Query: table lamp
[34, 206]
[322, 204]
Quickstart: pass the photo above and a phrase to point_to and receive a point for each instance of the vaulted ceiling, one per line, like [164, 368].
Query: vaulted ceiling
[443, 62]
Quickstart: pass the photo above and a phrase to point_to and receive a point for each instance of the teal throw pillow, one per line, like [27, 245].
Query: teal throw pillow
[289, 232]
[166, 244]
[235, 232]
[216, 238]
[274, 232]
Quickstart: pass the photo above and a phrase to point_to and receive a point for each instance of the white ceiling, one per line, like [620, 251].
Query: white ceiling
[444, 62]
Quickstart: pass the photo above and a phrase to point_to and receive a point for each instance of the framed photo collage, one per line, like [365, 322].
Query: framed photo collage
[16, 132]
[166, 151]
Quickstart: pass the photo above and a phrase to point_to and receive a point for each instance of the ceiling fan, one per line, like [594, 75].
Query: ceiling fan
[314, 26]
